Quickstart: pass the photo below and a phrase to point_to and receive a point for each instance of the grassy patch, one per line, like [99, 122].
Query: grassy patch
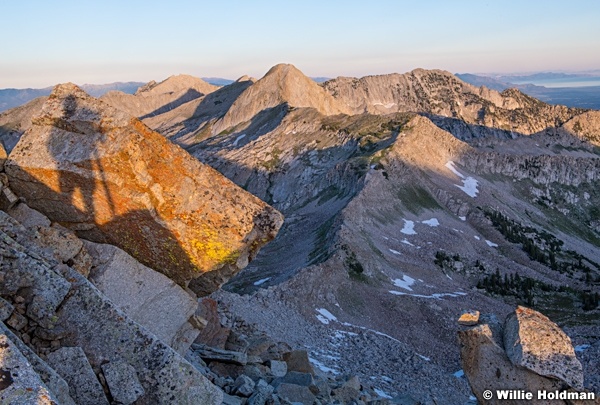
[417, 199]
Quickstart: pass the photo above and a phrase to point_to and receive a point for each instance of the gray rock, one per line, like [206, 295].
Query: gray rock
[122, 382]
[297, 360]
[223, 356]
[232, 400]
[278, 368]
[72, 365]
[296, 378]
[106, 333]
[243, 386]
[487, 367]
[16, 321]
[295, 393]
[6, 309]
[535, 342]
[28, 217]
[58, 387]
[19, 383]
[262, 393]
[150, 298]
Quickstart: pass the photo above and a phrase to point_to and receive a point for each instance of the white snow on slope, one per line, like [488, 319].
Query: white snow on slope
[469, 183]
[436, 296]
[469, 187]
[239, 138]
[409, 227]
[395, 252]
[325, 316]
[476, 237]
[323, 367]
[406, 242]
[581, 348]
[450, 165]
[405, 282]
[433, 222]
[381, 393]
[262, 281]
[491, 244]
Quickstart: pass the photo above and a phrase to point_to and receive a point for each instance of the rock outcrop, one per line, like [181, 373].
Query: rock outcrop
[529, 353]
[105, 175]
[534, 342]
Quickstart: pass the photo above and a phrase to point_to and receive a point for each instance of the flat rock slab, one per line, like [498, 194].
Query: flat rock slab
[19, 383]
[146, 296]
[100, 172]
[74, 367]
[535, 342]
[220, 355]
[105, 333]
[469, 318]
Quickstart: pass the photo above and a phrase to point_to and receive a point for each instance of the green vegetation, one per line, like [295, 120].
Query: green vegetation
[543, 247]
[416, 199]
[353, 266]
[526, 290]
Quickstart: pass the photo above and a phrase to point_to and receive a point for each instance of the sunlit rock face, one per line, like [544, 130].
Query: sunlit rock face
[105, 175]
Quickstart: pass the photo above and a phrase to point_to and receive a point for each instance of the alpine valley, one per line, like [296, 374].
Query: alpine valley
[407, 200]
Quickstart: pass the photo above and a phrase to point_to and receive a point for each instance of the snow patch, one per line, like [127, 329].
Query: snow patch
[239, 138]
[463, 218]
[325, 316]
[459, 374]
[436, 296]
[469, 187]
[476, 237]
[406, 242]
[433, 222]
[491, 244]
[409, 227]
[405, 282]
[323, 367]
[581, 348]
[423, 357]
[262, 281]
[381, 393]
[450, 165]
[395, 252]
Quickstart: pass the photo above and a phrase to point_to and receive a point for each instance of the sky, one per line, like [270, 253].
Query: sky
[84, 41]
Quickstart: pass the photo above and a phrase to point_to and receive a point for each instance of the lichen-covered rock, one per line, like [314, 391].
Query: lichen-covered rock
[73, 366]
[488, 368]
[535, 342]
[19, 383]
[105, 333]
[105, 175]
[122, 382]
[55, 383]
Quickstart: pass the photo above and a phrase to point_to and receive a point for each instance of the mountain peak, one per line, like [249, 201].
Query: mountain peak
[282, 84]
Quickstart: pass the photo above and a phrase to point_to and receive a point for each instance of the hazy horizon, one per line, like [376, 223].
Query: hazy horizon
[85, 42]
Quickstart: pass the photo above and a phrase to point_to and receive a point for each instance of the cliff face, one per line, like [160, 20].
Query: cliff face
[107, 176]
[440, 93]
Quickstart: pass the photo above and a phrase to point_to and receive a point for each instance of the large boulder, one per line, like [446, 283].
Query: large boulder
[487, 366]
[105, 175]
[535, 342]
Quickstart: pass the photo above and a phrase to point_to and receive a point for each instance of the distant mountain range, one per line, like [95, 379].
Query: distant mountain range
[10, 98]
[578, 90]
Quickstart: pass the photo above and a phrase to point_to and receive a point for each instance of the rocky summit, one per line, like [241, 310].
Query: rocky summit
[417, 208]
[105, 175]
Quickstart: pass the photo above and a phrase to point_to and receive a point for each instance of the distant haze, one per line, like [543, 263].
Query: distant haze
[92, 42]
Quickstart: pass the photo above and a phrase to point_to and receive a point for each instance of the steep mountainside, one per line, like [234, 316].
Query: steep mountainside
[407, 200]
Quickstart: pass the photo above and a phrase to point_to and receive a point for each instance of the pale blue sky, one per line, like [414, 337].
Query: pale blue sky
[47, 42]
